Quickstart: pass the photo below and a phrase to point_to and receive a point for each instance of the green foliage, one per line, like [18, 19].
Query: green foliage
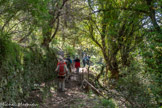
[23, 68]
[107, 103]
[151, 52]
[115, 29]
[3, 49]
[70, 50]
[135, 87]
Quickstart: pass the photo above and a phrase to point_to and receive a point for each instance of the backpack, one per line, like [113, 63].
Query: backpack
[62, 71]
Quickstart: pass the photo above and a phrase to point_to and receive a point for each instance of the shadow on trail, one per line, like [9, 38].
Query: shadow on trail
[72, 95]
[48, 96]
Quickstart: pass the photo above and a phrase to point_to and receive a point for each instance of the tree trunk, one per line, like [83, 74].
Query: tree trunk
[113, 67]
[125, 61]
[99, 75]
[114, 74]
[152, 15]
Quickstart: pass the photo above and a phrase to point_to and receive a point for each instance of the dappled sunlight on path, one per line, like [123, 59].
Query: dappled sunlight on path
[73, 97]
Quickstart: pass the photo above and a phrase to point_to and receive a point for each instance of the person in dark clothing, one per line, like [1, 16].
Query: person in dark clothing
[88, 60]
[84, 62]
[69, 65]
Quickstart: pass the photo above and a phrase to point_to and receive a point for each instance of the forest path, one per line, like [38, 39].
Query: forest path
[73, 97]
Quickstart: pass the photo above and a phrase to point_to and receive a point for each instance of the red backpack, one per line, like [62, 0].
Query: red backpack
[62, 71]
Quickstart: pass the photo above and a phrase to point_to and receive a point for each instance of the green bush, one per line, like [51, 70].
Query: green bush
[135, 89]
[70, 50]
[107, 103]
[21, 68]
[4, 47]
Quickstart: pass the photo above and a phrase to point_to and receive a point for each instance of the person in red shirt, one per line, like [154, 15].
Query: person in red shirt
[77, 64]
[62, 72]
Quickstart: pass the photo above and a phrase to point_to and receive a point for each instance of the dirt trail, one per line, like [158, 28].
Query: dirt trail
[73, 97]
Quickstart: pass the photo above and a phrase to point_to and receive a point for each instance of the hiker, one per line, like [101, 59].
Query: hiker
[77, 64]
[84, 61]
[88, 60]
[73, 62]
[69, 66]
[62, 72]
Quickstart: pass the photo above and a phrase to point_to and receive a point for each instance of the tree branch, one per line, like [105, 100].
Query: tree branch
[92, 36]
[122, 8]
[152, 15]
[25, 36]
[7, 22]
[57, 27]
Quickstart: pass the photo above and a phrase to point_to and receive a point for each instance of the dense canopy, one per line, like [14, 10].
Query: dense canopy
[122, 38]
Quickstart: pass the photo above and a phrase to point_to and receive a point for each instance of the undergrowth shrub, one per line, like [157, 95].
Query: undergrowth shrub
[21, 68]
[107, 103]
[135, 88]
